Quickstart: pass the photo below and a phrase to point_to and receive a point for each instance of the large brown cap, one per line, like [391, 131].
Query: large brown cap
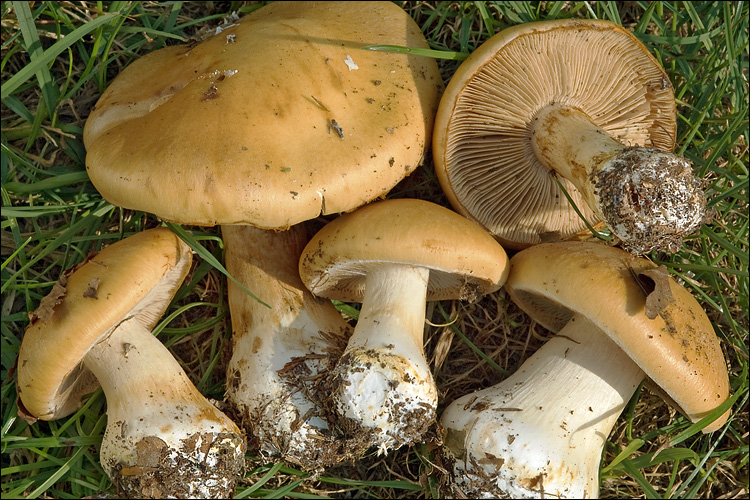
[677, 349]
[275, 120]
[83, 307]
[465, 262]
[482, 139]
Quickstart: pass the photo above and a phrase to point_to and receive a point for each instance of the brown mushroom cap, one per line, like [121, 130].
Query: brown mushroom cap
[464, 260]
[91, 301]
[277, 119]
[482, 145]
[677, 349]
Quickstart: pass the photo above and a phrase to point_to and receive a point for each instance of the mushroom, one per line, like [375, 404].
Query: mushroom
[277, 119]
[281, 353]
[163, 438]
[393, 256]
[618, 320]
[582, 99]
[265, 123]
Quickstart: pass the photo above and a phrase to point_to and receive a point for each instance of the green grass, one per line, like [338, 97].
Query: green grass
[57, 58]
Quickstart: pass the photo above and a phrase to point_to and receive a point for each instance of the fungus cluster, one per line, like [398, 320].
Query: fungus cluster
[320, 127]
[576, 109]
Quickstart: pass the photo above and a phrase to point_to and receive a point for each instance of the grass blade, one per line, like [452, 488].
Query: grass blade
[10, 86]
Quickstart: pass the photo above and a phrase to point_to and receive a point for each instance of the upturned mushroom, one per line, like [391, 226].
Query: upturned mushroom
[393, 256]
[163, 438]
[583, 100]
[278, 118]
[619, 319]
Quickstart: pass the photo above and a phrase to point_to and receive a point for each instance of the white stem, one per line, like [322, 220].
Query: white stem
[282, 416]
[393, 310]
[540, 432]
[158, 421]
[568, 142]
[647, 197]
[383, 380]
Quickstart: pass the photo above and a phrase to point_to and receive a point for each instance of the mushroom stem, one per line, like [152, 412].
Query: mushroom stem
[297, 331]
[163, 437]
[649, 198]
[540, 432]
[383, 381]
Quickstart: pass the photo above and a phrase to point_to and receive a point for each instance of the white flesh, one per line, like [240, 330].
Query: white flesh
[648, 198]
[540, 432]
[384, 381]
[149, 396]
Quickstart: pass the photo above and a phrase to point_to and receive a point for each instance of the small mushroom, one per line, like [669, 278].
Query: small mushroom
[581, 99]
[163, 438]
[540, 432]
[281, 353]
[393, 256]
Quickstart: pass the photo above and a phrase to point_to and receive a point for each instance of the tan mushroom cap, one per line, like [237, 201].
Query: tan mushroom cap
[464, 260]
[678, 349]
[482, 144]
[95, 298]
[277, 119]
